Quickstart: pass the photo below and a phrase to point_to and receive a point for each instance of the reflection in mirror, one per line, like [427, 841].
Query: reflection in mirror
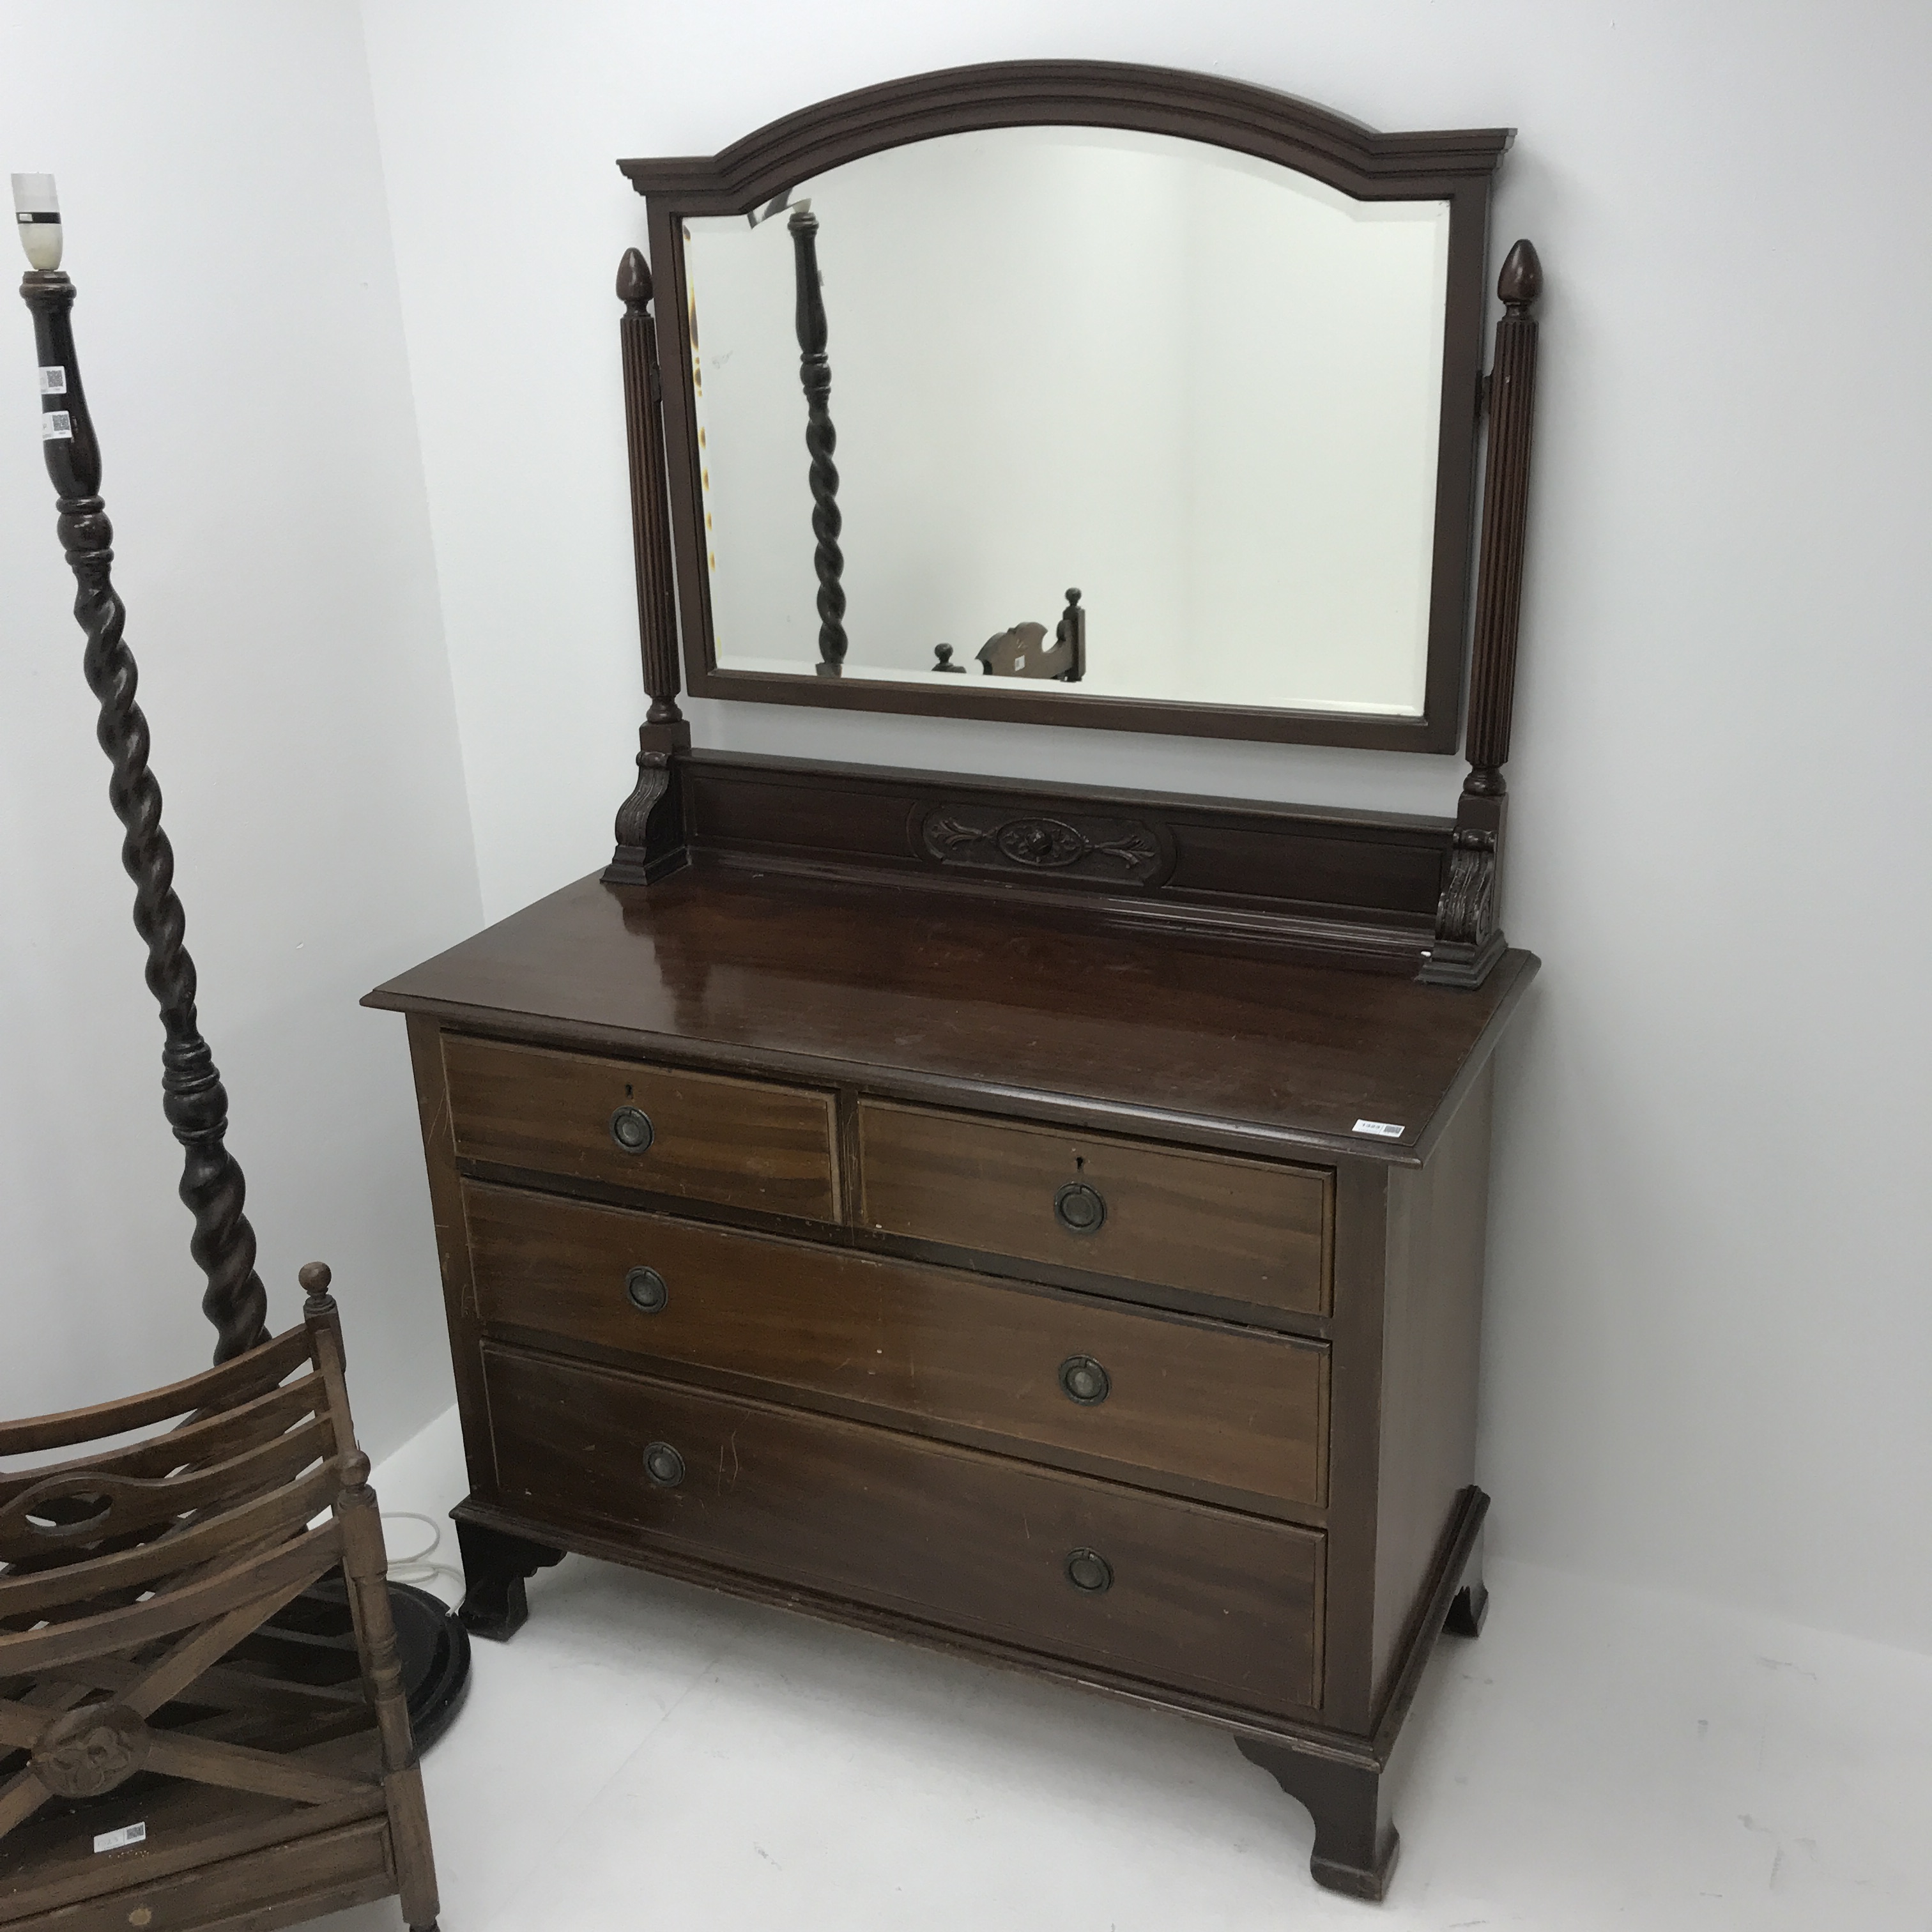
[1203, 387]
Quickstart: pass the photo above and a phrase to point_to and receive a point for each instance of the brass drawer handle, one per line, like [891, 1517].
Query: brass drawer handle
[647, 1291]
[631, 1128]
[664, 1466]
[1079, 1209]
[1087, 1570]
[1084, 1381]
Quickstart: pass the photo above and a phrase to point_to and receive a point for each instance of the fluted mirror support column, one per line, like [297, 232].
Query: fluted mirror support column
[433, 1649]
[650, 822]
[1468, 934]
[192, 1094]
[815, 374]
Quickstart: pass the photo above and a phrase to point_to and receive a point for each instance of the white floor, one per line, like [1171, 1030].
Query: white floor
[648, 1756]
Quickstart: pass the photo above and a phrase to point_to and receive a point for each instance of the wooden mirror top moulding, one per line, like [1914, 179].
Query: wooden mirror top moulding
[1060, 1208]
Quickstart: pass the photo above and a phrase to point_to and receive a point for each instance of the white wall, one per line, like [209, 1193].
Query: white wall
[1709, 1335]
[238, 329]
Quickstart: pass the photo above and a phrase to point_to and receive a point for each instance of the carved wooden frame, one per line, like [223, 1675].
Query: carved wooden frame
[666, 498]
[1456, 167]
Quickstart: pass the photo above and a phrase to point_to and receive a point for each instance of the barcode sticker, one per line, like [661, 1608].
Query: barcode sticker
[56, 426]
[1384, 1130]
[128, 1834]
[53, 382]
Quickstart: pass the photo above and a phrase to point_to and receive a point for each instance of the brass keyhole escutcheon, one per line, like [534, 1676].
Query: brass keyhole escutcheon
[1079, 1208]
[1087, 1570]
[1084, 1380]
[646, 1290]
[631, 1128]
[664, 1466]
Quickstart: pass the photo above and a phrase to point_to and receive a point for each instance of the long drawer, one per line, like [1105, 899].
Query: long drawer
[1168, 1591]
[663, 1130]
[1245, 1230]
[1159, 1396]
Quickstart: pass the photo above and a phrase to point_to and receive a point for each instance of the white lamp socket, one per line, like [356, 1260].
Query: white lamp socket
[37, 209]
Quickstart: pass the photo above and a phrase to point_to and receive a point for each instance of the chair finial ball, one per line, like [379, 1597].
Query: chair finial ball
[354, 1470]
[1521, 281]
[634, 279]
[315, 1278]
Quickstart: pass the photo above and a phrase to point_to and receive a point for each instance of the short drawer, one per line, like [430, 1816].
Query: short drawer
[1169, 1591]
[1160, 1396]
[697, 1136]
[1247, 1230]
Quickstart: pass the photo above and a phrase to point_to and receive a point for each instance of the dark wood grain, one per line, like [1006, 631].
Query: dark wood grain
[1244, 1231]
[1354, 888]
[1468, 939]
[193, 1097]
[1356, 1843]
[459, 1293]
[1432, 1348]
[650, 822]
[1362, 1190]
[917, 1347]
[1454, 168]
[821, 439]
[288, 1884]
[1200, 1596]
[740, 1142]
[986, 1006]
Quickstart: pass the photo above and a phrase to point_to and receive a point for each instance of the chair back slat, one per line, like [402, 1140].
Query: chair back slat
[271, 1516]
[209, 1438]
[234, 1381]
[30, 1524]
[296, 1563]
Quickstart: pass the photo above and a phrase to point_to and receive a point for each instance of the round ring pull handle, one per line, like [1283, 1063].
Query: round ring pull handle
[1079, 1209]
[664, 1466]
[1084, 1381]
[647, 1291]
[631, 1128]
[1089, 1571]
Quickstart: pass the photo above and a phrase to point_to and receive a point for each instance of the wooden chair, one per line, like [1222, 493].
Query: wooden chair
[169, 1756]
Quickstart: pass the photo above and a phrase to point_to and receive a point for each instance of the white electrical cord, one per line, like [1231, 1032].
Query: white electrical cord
[416, 1567]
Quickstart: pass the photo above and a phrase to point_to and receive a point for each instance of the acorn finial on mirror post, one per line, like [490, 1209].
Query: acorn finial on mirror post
[1469, 938]
[192, 1096]
[650, 822]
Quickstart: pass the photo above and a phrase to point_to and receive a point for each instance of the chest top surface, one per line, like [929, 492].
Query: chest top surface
[976, 1003]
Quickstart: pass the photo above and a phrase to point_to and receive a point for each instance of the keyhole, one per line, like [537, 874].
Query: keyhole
[627, 1093]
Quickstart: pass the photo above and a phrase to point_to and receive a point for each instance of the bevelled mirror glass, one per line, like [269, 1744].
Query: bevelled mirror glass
[1096, 424]
[1201, 388]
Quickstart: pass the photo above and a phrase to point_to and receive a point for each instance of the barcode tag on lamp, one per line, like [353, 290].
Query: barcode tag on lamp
[1383, 1130]
[115, 1841]
[53, 382]
[56, 426]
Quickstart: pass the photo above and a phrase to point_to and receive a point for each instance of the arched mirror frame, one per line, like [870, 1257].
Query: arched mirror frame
[1455, 167]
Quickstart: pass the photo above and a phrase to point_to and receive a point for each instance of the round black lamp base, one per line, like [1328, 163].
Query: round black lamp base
[432, 1647]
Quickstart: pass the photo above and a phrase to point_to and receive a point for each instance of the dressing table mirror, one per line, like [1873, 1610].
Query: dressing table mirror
[1044, 1222]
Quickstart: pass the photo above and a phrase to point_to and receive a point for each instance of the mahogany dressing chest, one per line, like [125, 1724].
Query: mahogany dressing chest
[1044, 1222]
